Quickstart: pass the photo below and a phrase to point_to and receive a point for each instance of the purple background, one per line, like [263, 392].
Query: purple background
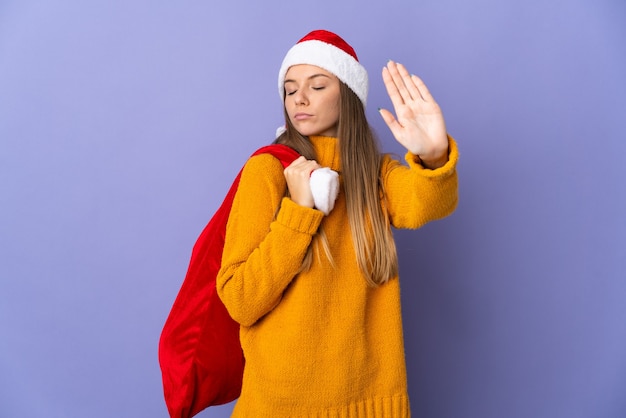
[122, 124]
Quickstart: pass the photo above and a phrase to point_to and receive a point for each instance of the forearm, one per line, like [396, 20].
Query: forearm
[254, 276]
[417, 195]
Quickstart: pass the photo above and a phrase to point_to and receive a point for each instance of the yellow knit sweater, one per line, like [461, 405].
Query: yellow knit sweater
[320, 343]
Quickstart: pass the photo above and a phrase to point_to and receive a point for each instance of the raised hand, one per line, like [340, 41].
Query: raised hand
[419, 124]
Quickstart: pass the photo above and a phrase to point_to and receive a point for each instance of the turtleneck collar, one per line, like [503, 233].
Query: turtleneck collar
[327, 150]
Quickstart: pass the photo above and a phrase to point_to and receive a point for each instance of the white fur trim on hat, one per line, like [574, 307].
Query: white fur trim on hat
[331, 59]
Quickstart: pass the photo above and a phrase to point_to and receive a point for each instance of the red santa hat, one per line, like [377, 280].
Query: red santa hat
[330, 52]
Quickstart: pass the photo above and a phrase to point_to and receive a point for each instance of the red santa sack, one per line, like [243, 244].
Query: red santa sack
[199, 350]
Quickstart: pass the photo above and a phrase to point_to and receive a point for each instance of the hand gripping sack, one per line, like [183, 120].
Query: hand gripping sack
[199, 350]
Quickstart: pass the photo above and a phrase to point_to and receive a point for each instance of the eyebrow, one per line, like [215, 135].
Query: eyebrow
[308, 78]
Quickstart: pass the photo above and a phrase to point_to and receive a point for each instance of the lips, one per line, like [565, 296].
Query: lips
[302, 116]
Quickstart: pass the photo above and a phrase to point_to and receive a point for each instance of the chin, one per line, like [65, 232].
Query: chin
[310, 132]
[315, 131]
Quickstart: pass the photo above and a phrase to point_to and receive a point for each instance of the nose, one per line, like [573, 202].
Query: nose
[300, 97]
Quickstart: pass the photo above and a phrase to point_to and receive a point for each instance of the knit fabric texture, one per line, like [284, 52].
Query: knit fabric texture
[320, 343]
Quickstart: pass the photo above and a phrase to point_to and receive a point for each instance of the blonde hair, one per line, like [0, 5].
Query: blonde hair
[374, 246]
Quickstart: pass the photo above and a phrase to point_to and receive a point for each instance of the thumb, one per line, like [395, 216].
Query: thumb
[391, 121]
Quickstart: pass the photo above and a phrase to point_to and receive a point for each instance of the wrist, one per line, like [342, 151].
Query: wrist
[436, 162]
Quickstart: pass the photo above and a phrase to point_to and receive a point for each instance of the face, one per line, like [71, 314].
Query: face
[312, 100]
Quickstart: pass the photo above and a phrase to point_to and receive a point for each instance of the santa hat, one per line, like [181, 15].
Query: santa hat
[330, 52]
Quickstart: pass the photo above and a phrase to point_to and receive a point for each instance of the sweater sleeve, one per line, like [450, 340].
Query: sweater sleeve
[263, 250]
[417, 195]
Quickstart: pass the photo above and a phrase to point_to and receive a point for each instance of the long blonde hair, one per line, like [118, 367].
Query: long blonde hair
[361, 159]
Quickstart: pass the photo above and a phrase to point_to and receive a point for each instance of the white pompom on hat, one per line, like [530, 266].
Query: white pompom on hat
[330, 52]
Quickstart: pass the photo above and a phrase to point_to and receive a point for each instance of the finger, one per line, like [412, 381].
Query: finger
[391, 121]
[423, 90]
[392, 88]
[309, 168]
[297, 161]
[301, 167]
[291, 168]
[399, 81]
[410, 83]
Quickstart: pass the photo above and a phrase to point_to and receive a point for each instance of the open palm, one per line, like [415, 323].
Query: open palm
[419, 124]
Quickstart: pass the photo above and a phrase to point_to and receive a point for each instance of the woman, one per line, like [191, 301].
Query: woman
[317, 295]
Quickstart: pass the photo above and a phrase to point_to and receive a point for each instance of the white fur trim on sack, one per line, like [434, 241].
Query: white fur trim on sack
[325, 188]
